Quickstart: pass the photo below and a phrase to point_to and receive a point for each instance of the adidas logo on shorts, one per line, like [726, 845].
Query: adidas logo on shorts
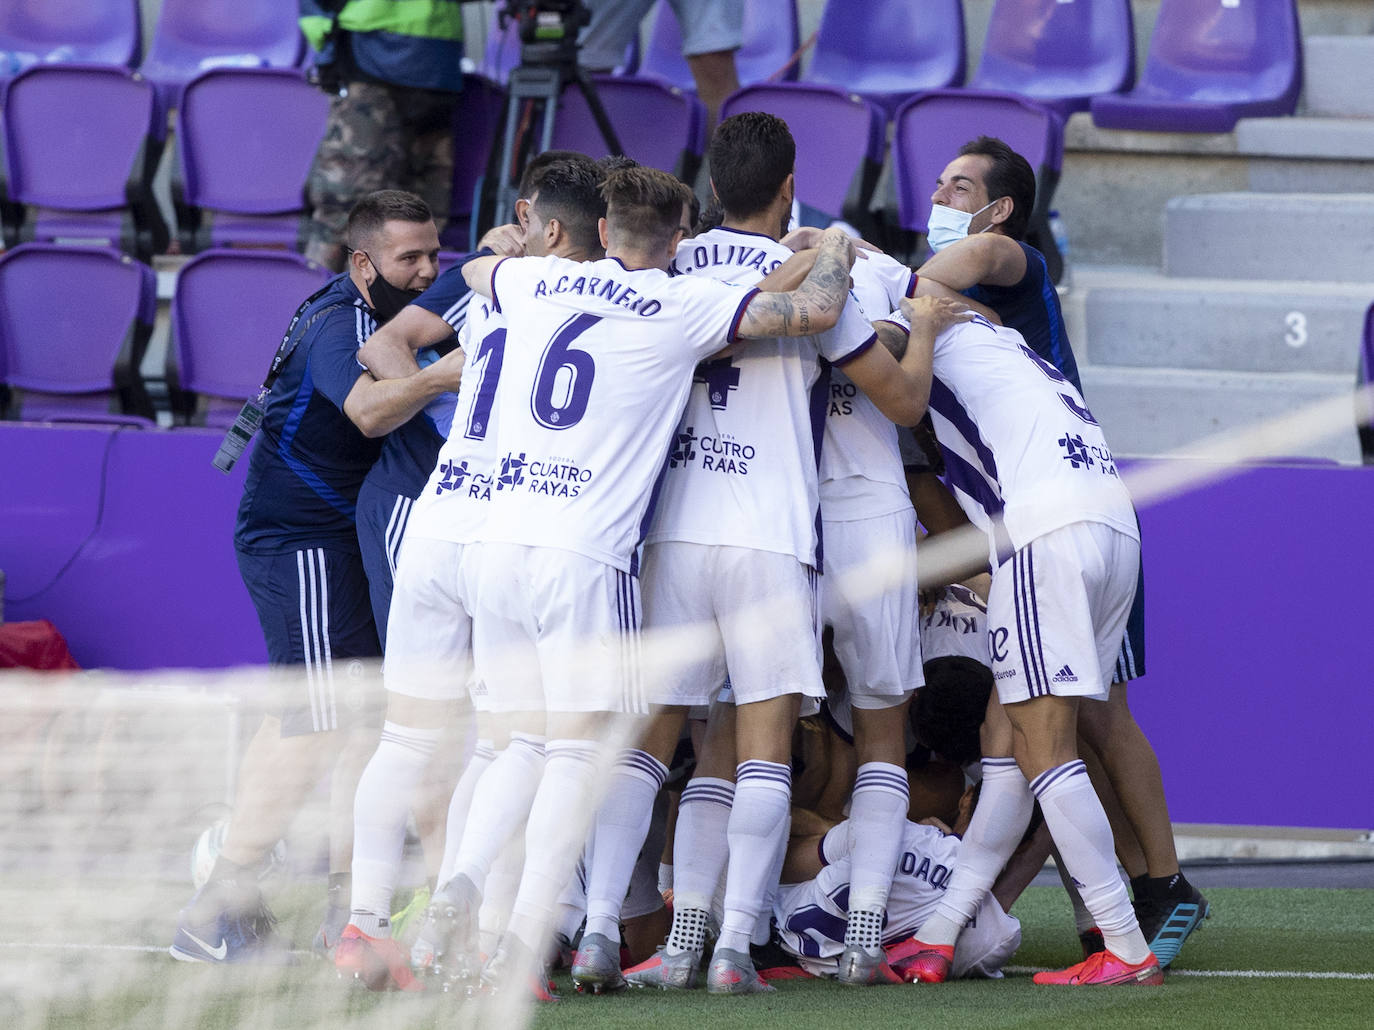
[1065, 675]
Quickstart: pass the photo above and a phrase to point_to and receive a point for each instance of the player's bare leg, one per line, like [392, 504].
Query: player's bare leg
[227, 920]
[877, 817]
[275, 776]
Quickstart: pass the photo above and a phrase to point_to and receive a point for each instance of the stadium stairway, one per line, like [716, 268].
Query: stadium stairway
[1219, 279]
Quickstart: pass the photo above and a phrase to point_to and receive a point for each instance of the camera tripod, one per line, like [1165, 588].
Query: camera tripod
[535, 86]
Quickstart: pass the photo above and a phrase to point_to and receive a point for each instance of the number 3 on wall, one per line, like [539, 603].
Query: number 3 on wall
[563, 382]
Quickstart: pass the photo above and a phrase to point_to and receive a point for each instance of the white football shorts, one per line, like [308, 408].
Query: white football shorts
[555, 631]
[429, 643]
[876, 638]
[713, 609]
[1057, 610]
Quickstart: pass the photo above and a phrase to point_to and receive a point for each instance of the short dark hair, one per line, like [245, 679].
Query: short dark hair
[948, 711]
[1010, 176]
[368, 215]
[752, 154]
[645, 204]
[567, 188]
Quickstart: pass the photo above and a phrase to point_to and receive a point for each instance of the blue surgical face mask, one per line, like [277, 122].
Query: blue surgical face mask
[947, 225]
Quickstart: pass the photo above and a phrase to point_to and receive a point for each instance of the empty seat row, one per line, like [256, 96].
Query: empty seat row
[75, 322]
[191, 36]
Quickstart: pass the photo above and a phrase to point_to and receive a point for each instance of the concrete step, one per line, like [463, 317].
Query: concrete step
[1303, 236]
[1167, 410]
[1338, 76]
[1116, 183]
[1138, 318]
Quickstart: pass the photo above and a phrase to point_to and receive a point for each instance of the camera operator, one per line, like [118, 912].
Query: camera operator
[393, 71]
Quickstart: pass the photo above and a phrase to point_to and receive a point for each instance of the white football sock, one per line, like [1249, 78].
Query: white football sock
[500, 804]
[1083, 836]
[482, 756]
[622, 823]
[553, 838]
[700, 848]
[700, 852]
[763, 797]
[763, 924]
[999, 821]
[877, 826]
[380, 808]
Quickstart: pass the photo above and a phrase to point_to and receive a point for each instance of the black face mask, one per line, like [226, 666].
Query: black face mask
[387, 300]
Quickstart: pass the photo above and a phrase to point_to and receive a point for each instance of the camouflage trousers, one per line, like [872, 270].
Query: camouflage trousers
[379, 136]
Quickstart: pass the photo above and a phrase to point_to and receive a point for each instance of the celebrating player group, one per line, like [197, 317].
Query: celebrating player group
[604, 541]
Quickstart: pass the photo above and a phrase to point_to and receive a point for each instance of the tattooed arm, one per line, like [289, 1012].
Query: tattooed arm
[815, 305]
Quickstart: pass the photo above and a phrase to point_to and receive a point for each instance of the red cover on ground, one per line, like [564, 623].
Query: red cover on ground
[34, 645]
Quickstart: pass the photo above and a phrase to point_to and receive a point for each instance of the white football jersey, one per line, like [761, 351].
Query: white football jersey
[957, 627]
[453, 504]
[743, 467]
[812, 916]
[597, 366]
[1022, 451]
[861, 466]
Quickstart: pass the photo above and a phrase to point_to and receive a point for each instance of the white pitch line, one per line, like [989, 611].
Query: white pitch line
[1238, 974]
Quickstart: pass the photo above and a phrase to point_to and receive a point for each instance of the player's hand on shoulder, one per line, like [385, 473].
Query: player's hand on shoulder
[803, 237]
[505, 240]
[935, 313]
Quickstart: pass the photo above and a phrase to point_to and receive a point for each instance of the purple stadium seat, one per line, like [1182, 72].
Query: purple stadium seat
[74, 325]
[770, 40]
[839, 136]
[85, 31]
[151, 582]
[50, 504]
[1210, 63]
[476, 123]
[221, 346]
[193, 36]
[79, 157]
[1060, 53]
[659, 125]
[892, 50]
[240, 179]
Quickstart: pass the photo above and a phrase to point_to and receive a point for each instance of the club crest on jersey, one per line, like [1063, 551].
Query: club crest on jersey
[720, 378]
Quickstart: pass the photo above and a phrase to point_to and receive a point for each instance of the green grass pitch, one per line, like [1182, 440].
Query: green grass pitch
[88, 955]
